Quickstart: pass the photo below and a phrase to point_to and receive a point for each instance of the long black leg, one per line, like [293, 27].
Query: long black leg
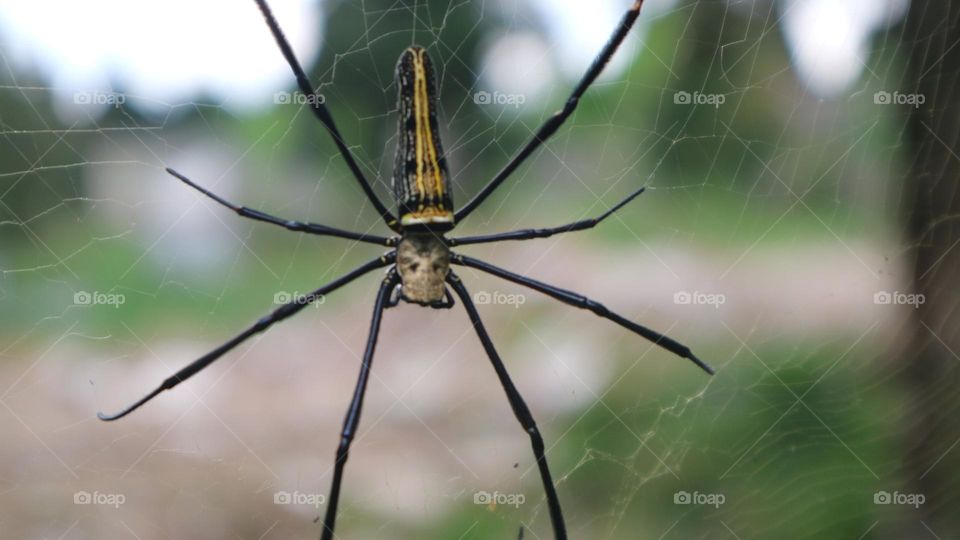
[323, 114]
[582, 302]
[277, 315]
[554, 122]
[520, 409]
[312, 228]
[353, 413]
[527, 234]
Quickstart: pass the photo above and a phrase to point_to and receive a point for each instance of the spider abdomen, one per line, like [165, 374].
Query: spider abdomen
[420, 178]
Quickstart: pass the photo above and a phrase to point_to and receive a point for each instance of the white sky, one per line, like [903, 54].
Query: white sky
[180, 49]
[830, 39]
[165, 52]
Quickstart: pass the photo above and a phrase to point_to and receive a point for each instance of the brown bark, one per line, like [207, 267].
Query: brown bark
[931, 365]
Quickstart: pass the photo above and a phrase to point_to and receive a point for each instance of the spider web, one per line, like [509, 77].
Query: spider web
[796, 233]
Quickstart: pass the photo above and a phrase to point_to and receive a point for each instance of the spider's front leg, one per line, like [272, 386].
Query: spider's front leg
[578, 300]
[352, 419]
[520, 409]
[279, 314]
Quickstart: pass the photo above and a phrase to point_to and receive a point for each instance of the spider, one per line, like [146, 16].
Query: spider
[419, 262]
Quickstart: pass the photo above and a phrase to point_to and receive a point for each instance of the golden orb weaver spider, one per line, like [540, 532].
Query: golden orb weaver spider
[420, 262]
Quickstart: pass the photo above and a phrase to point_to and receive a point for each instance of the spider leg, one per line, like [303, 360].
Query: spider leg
[527, 234]
[395, 296]
[447, 303]
[554, 122]
[520, 409]
[277, 315]
[311, 228]
[352, 419]
[582, 302]
[323, 114]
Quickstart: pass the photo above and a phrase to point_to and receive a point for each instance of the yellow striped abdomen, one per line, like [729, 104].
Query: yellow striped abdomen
[420, 178]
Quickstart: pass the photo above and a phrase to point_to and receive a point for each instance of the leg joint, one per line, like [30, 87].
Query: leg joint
[536, 440]
[344, 447]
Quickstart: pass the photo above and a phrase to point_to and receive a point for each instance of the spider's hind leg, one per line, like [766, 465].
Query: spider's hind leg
[527, 234]
[553, 123]
[298, 226]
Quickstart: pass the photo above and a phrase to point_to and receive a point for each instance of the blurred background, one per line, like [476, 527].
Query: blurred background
[799, 232]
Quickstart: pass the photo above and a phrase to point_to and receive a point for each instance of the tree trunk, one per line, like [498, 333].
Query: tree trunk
[931, 363]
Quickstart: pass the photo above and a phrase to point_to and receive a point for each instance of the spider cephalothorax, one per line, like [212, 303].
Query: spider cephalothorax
[423, 262]
[419, 267]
